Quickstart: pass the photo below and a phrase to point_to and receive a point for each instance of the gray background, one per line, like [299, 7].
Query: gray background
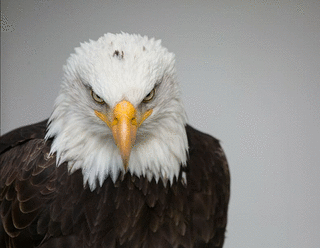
[250, 75]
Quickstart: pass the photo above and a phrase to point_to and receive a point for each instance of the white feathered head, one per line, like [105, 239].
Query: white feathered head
[119, 110]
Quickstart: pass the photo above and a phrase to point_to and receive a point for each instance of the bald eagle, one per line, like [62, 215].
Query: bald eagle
[115, 165]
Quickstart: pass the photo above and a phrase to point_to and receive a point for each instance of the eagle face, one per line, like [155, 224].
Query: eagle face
[119, 111]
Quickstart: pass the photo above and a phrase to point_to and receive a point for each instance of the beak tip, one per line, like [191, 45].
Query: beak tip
[125, 165]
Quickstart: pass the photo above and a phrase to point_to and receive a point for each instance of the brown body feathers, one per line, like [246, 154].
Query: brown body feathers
[42, 205]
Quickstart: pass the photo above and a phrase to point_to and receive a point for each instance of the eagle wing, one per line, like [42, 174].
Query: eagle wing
[209, 188]
[27, 188]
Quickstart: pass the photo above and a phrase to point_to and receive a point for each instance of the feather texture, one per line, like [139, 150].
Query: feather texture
[44, 206]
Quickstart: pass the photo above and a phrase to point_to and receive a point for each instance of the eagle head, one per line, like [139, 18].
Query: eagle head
[119, 111]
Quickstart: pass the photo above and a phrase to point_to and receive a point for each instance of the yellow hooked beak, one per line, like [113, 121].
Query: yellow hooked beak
[124, 125]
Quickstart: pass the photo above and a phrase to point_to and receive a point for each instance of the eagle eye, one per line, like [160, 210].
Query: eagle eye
[150, 96]
[97, 98]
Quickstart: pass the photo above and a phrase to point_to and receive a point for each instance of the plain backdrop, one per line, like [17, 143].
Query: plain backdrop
[250, 76]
